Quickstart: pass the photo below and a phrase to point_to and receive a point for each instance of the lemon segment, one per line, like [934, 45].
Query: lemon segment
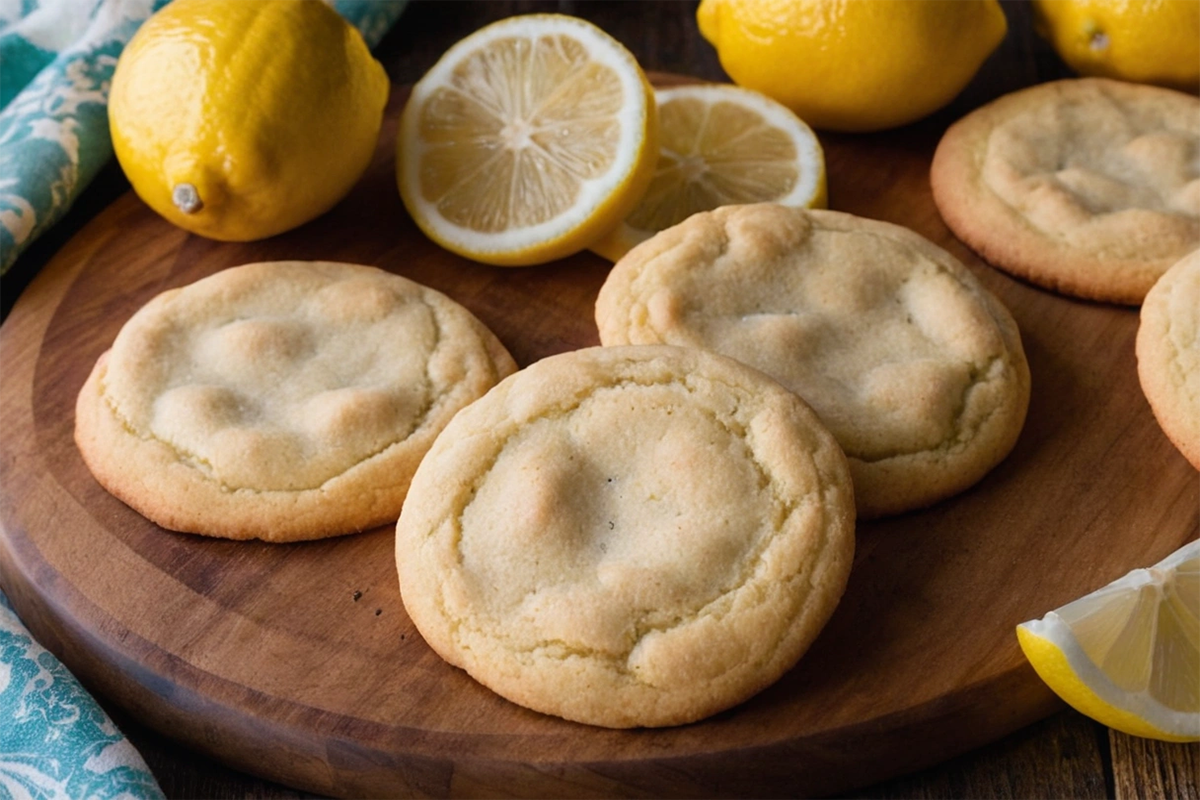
[527, 140]
[721, 145]
[1150, 41]
[1128, 655]
[240, 120]
[864, 65]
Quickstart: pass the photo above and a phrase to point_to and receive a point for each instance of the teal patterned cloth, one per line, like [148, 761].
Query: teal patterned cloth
[56, 61]
[55, 741]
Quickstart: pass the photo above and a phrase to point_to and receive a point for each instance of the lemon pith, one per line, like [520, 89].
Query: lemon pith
[854, 66]
[240, 120]
[527, 140]
[1128, 655]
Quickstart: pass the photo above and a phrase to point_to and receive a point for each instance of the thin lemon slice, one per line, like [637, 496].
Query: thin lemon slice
[527, 140]
[1128, 655]
[721, 145]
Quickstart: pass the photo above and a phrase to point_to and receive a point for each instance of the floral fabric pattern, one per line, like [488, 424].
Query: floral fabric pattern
[56, 743]
[58, 58]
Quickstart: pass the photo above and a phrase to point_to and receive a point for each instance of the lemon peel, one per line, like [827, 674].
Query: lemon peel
[1151, 41]
[238, 120]
[854, 66]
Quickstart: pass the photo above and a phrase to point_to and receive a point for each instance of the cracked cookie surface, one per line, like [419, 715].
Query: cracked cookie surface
[1089, 187]
[916, 368]
[281, 400]
[1168, 354]
[630, 536]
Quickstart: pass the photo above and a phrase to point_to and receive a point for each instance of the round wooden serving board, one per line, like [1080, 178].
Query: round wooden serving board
[298, 663]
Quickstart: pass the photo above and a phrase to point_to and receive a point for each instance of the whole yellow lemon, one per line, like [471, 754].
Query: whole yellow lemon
[854, 65]
[1145, 41]
[239, 120]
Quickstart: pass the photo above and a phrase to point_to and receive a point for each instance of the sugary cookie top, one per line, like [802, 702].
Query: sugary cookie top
[281, 376]
[1177, 298]
[891, 340]
[1106, 167]
[628, 536]
[1088, 187]
[1168, 352]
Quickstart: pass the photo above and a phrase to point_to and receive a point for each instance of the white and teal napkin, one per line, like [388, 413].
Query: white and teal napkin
[56, 62]
[55, 741]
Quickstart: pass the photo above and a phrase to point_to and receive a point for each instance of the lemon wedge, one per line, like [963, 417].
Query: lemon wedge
[1128, 655]
[527, 140]
[721, 145]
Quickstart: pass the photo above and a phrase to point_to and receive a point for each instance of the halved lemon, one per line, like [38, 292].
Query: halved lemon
[721, 145]
[527, 140]
[1128, 655]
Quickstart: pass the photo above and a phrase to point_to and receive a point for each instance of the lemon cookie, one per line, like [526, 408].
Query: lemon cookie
[916, 368]
[635, 536]
[1168, 354]
[1088, 187]
[281, 401]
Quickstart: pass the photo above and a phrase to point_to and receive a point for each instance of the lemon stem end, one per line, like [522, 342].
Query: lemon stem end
[186, 198]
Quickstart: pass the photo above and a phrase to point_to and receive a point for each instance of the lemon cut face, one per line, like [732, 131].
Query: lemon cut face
[527, 140]
[722, 145]
[1128, 655]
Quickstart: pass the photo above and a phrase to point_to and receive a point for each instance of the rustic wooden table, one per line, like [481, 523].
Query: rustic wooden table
[1065, 755]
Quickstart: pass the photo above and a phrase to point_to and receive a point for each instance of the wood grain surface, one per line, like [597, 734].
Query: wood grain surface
[262, 657]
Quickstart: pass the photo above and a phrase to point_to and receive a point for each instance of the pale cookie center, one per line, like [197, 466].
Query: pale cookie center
[282, 401]
[589, 532]
[886, 348]
[1104, 175]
